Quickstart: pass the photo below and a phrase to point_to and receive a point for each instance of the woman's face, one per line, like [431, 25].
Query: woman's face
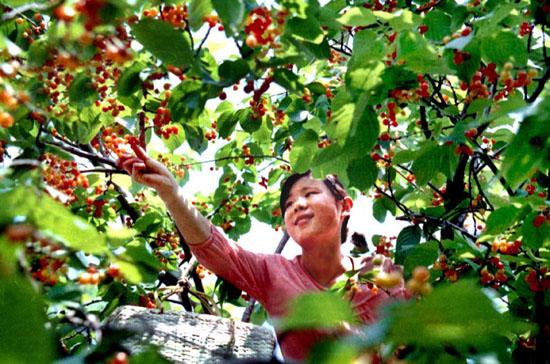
[313, 214]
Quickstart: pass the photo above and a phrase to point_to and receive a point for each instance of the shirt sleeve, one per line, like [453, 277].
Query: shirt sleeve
[242, 268]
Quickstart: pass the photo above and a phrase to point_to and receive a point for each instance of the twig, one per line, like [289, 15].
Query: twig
[202, 42]
[540, 86]
[242, 156]
[24, 8]
[81, 153]
[104, 170]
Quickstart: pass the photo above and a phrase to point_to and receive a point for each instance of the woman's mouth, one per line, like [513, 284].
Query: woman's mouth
[302, 218]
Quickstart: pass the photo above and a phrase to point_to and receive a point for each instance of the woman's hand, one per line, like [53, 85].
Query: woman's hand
[145, 170]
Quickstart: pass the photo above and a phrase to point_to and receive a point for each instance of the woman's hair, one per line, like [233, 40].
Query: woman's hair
[333, 184]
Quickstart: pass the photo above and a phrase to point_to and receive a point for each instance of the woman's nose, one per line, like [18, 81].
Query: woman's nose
[300, 203]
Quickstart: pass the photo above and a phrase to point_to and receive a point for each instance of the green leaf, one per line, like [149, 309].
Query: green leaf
[81, 89]
[137, 252]
[403, 20]
[195, 138]
[148, 221]
[307, 29]
[129, 81]
[362, 173]
[421, 255]
[458, 313]
[75, 232]
[439, 25]
[321, 310]
[357, 17]
[187, 101]
[232, 71]
[404, 156]
[168, 44]
[365, 77]
[175, 140]
[501, 219]
[23, 334]
[407, 239]
[246, 121]
[354, 124]
[433, 159]
[287, 79]
[120, 235]
[226, 123]
[381, 207]
[419, 55]
[530, 148]
[231, 14]
[504, 46]
[37, 53]
[51, 218]
[197, 11]
[303, 151]
[331, 160]
[535, 237]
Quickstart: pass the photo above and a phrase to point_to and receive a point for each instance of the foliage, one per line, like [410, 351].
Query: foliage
[435, 109]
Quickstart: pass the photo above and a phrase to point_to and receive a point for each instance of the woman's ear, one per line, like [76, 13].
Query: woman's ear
[347, 204]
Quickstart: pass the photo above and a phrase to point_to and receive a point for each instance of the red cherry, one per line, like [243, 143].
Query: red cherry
[538, 221]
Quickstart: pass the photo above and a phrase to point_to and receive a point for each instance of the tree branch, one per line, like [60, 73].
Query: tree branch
[81, 153]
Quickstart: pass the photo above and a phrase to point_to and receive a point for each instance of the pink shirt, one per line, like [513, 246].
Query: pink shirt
[274, 280]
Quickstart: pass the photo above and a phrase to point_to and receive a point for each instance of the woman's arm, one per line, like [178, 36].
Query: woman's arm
[145, 170]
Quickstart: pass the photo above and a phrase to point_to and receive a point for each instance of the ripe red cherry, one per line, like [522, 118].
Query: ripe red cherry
[538, 221]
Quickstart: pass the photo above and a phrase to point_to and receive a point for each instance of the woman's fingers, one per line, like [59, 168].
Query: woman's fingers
[140, 153]
[138, 169]
[154, 165]
[128, 163]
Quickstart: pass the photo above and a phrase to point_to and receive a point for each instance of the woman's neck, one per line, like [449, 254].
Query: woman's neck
[324, 265]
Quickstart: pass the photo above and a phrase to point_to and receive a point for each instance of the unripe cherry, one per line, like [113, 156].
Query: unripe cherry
[421, 274]
[388, 280]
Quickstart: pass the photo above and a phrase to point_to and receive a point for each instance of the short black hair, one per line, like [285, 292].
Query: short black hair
[331, 181]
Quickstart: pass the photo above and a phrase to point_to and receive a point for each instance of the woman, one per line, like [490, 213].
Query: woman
[315, 214]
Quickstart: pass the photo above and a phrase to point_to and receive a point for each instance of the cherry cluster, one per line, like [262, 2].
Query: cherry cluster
[37, 27]
[91, 11]
[63, 175]
[175, 15]
[385, 245]
[2, 150]
[113, 139]
[148, 300]
[211, 134]
[279, 116]
[258, 26]
[532, 187]
[248, 158]
[95, 206]
[202, 271]
[178, 169]
[437, 198]
[493, 273]
[46, 265]
[419, 284]
[166, 242]
[541, 219]
[538, 279]
[6, 119]
[388, 5]
[507, 247]
[441, 264]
